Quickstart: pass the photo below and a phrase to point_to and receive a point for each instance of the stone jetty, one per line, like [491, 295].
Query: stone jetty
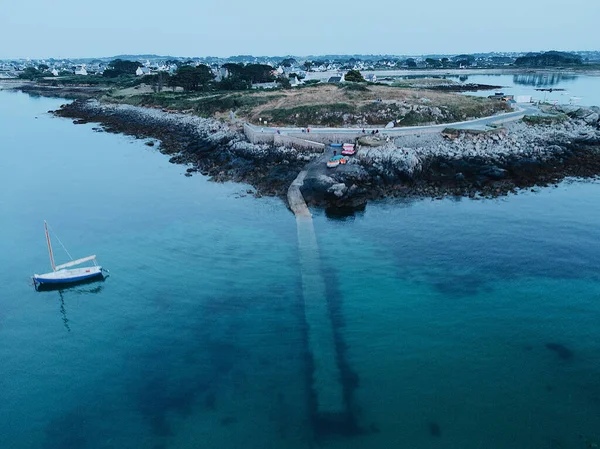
[326, 378]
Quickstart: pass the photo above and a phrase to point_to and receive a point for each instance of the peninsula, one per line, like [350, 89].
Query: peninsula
[414, 137]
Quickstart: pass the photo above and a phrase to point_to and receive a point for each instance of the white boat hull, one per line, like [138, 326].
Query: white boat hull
[68, 276]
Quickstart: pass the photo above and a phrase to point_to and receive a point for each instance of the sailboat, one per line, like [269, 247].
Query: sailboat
[63, 273]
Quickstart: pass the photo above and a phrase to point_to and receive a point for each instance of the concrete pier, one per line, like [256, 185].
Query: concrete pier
[326, 376]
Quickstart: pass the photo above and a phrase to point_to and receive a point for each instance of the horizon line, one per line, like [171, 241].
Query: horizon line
[294, 56]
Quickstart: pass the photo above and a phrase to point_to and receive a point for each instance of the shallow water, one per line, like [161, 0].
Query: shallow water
[577, 89]
[464, 323]
[572, 89]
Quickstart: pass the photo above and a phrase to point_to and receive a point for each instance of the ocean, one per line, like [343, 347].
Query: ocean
[460, 323]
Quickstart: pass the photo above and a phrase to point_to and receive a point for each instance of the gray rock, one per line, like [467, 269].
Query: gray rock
[338, 189]
[568, 109]
[581, 112]
[494, 172]
[592, 119]
[315, 188]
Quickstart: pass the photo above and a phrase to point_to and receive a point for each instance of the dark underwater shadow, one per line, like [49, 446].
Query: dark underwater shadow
[67, 431]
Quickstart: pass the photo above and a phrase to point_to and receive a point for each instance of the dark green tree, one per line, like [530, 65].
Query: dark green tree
[119, 67]
[354, 76]
[433, 62]
[253, 73]
[284, 82]
[30, 73]
[193, 78]
[289, 62]
[234, 70]
[234, 83]
[259, 73]
[158, 81]
[549, 59]
[464, 60]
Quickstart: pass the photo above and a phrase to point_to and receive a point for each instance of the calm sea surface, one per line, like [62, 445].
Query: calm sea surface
[466, 324]
[572, 88]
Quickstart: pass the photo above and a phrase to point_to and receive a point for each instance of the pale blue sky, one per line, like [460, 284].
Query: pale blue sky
[73, 28]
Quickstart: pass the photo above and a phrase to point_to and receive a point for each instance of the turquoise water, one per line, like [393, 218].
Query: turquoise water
[197, 339]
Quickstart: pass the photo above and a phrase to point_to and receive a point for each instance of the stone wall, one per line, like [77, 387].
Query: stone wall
[284, 140]
[287, 140]
[329, 137]
[258, 137]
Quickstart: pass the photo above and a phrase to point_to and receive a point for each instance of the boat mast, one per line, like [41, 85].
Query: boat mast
[49, 247]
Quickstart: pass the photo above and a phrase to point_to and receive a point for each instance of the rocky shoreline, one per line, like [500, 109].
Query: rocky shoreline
[207, 146]
[457, 163]
[469, 87]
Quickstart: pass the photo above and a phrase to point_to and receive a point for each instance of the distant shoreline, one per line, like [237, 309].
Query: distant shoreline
[582, 70]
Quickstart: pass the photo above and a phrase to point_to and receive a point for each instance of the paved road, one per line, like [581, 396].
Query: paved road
[480, 123]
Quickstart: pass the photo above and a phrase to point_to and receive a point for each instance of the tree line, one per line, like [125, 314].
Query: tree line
[198, 78]
[549, 59]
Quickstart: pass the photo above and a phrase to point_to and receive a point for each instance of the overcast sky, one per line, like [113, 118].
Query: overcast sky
[74, 28]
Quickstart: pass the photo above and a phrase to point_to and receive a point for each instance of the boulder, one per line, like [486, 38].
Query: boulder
[568, 109]
[338, 189]
[581, 112]
[592, 118]
[316, 188]
[494, 172]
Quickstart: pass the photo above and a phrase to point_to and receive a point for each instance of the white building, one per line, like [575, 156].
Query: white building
[294, 81]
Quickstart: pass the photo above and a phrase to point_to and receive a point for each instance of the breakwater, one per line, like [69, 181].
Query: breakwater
[325, 377]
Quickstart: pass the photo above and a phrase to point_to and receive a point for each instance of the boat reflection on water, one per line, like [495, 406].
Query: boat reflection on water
[85, 287]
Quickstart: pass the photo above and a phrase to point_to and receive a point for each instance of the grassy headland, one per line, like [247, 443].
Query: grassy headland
[319, 105]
